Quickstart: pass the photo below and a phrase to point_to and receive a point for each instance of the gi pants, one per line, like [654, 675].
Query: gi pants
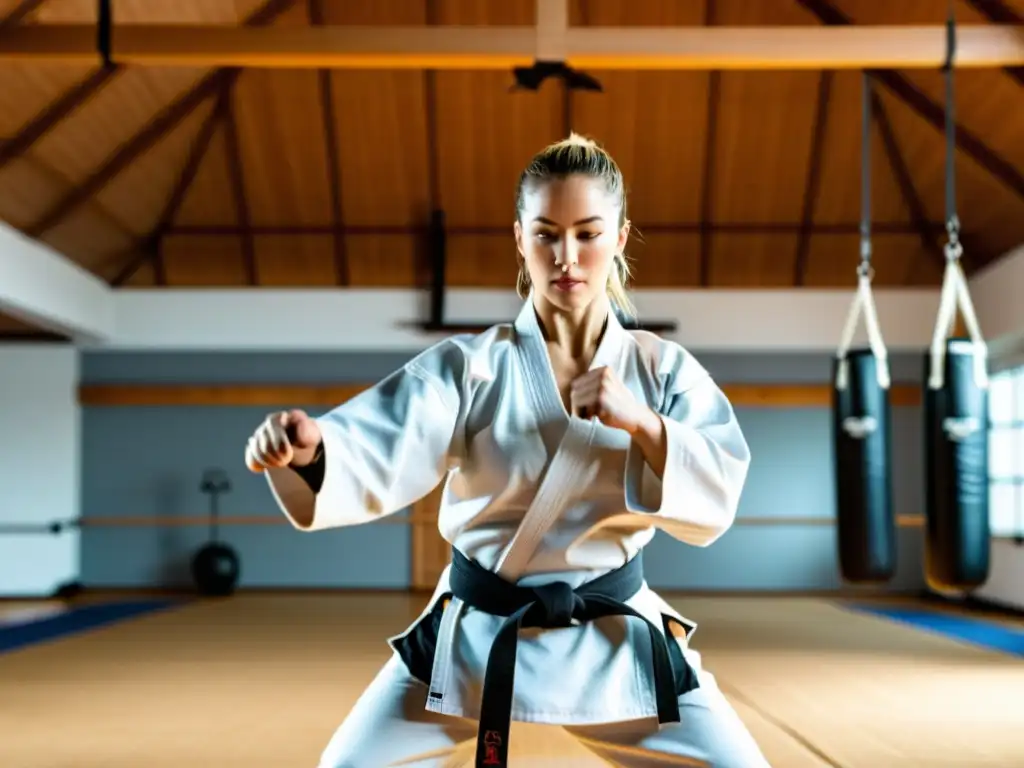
[390, 727]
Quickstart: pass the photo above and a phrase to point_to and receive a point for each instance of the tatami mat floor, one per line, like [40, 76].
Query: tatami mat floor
[263, 680]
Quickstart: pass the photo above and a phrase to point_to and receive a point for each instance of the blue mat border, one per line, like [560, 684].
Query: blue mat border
[77, 620]
[973, 630]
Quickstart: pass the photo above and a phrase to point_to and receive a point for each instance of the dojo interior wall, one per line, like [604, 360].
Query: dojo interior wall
[147, 461]
[996, 294]
[40, 429]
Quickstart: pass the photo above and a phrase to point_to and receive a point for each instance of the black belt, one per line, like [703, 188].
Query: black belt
[548, 606]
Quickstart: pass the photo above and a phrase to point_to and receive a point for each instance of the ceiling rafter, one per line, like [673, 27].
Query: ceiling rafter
[244, 228]
[59, 177]
[905, 182]
[328, 112]
[676, 228]
[567, 100]
[433, 151]
[20, 12]
[236, 180]
[997, 12]
[149, 249]
[934, 114]
[55, 112]
[714, 99]
[813, 183]
[169, 118]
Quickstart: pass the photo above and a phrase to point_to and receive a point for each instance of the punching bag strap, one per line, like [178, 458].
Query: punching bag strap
[955, 293]
[864, 299]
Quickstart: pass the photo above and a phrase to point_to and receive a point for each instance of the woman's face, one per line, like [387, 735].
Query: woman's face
[568, 235]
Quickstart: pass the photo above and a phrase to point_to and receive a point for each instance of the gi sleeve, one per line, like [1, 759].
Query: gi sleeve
[708, 457]
[383, 450]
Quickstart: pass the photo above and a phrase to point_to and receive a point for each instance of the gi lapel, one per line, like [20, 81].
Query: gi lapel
[570, 463]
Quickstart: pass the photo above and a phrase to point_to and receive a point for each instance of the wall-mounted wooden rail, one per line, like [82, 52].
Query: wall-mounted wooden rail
[417, 518]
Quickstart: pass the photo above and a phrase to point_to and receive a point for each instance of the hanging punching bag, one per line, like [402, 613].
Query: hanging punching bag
[957, 527]
[861, 428]
[957, 531]
[865, 523]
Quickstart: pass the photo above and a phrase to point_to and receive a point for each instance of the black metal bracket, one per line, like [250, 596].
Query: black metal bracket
[531, 78]
[104, 32]
[655, 326]
[438, 258]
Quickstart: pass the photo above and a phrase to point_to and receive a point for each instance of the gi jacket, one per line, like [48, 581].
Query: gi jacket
[537, 495]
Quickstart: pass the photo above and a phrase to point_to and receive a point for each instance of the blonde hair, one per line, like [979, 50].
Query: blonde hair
[579, 155]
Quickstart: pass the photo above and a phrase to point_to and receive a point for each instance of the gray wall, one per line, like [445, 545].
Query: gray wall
[142, 461]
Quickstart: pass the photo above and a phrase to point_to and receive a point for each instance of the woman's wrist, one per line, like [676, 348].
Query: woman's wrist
[649, 427]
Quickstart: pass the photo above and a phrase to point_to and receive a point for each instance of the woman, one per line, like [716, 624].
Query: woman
[563, 442]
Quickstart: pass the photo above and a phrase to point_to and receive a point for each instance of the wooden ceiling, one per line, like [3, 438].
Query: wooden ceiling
[182, 177]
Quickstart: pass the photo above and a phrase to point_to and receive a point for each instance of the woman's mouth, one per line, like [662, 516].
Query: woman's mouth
[567, 283]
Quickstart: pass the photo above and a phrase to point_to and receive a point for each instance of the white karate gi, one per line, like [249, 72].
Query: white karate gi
[483, 414]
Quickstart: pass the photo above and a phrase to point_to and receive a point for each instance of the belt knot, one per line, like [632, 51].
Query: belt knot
[556, 605]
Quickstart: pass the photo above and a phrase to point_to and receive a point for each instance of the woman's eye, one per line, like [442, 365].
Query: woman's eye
[545, 236]
[589, 235]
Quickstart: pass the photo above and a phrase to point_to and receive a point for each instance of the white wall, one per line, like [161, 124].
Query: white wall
[996, 292]
[39, 465]
[386, 320]
[1005, 584]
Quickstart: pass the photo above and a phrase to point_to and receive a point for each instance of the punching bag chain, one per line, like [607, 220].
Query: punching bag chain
[953, 247]
[864, 268]
[864, 300]
[955, 292]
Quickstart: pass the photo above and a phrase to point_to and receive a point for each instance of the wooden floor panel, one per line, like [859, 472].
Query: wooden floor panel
[263, 680]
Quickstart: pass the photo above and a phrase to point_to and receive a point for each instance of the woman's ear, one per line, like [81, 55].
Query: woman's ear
[623, 236]
[518, 230]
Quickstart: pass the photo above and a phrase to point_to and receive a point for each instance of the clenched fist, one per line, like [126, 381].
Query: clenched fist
[285, 437]
[599, 393]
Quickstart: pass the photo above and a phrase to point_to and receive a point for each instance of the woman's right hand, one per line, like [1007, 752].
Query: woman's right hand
[285, 437]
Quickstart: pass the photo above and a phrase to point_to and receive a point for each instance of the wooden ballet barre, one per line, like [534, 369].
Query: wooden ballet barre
[502, 48]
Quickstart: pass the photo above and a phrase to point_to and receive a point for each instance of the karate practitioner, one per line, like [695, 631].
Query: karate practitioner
[563, 442]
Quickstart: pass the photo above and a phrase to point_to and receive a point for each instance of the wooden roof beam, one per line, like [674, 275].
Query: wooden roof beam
[81, 92]
[55, 112]
[813, 182]
[332, 148]
[567, 100]
[714, 102]
[997, 12]
[451, 47]
[165, 121]
[127, 153]
[236, 180]
[937, 228]
[966, 141]
[427, 262]
[20, 12]
[149, 249]
[918, 217]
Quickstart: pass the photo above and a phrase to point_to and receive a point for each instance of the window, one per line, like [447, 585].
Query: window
[1006, 453]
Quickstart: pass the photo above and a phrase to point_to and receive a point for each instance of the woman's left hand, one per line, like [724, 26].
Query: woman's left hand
[600, 393]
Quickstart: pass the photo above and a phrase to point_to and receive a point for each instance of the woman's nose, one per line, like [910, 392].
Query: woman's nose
[566, 254]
